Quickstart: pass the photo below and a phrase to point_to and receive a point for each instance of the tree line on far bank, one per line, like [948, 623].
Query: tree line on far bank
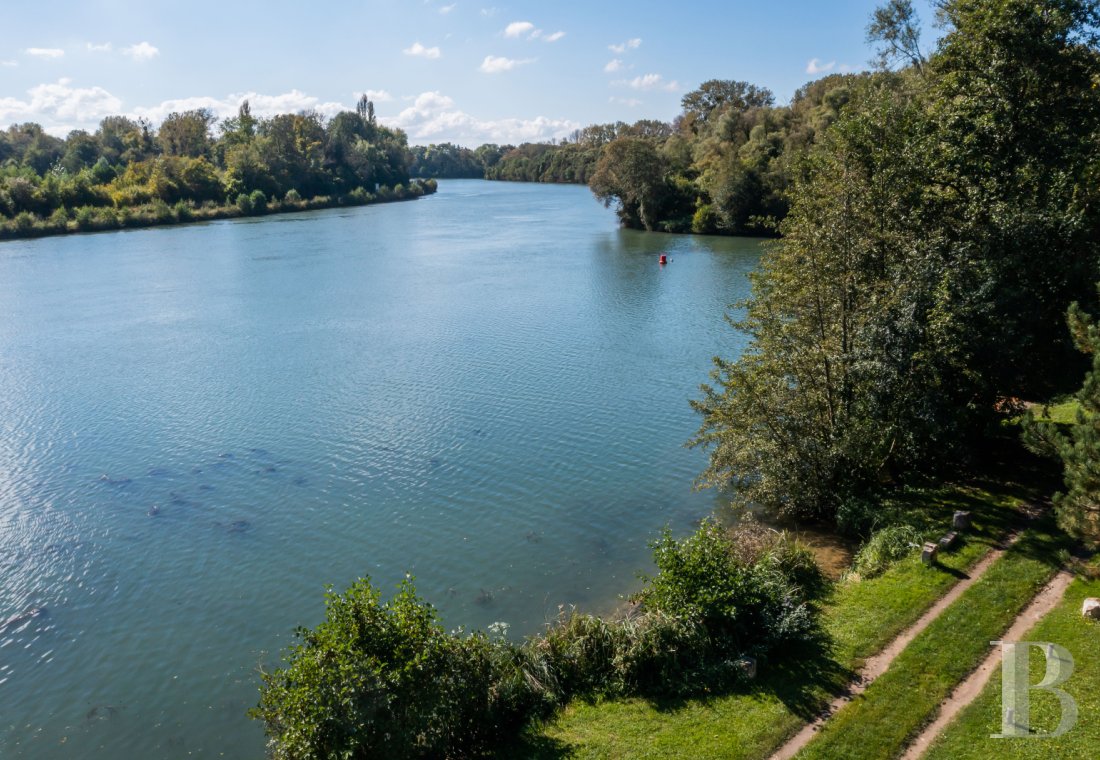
[723, 166]
[127, 173]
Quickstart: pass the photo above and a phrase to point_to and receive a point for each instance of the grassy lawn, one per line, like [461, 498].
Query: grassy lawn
[860, 618]
[878, 723]
[968, 736]
[1064, 413]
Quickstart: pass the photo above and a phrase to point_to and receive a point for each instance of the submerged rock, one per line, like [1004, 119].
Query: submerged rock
[23, 617]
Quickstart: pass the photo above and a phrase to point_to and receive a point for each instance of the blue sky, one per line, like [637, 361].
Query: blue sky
[466, 71]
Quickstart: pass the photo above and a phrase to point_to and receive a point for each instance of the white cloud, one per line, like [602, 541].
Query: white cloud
[424, 52]
[9, 64]
[434, 117]
[494, 64]
[60, 105]
[554, 37]
[489, 12]
[519, 28]
[628, 45]
[378, 96]
[613, 65]
[261, 105]
[628, 102]
[815, 66]
[45, 53]
[649, 82]
[447, 9]
[142, 51]
[104, 48]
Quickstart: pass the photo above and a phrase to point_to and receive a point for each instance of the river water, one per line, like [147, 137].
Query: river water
[202, 426]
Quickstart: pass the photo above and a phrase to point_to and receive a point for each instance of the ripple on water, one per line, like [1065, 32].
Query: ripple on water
[486, 388]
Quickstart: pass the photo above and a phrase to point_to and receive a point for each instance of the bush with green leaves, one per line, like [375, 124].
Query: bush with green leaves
[884, 548]
[384, 679]
[744, 608]
[258, 201]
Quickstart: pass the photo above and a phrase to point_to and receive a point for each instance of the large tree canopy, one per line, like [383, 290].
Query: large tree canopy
[937, 233]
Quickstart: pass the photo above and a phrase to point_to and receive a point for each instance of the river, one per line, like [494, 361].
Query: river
[202, 426]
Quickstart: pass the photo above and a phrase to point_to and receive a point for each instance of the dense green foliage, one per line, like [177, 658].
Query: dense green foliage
[723, 166]
[445, 161]
[860, 617]
[1078, 444]
[885, 547]
[937, 233]
[384, 679]
[128, 174]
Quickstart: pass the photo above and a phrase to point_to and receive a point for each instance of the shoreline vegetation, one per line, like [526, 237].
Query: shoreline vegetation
[721, 167]
[157, 214]
[129, 174]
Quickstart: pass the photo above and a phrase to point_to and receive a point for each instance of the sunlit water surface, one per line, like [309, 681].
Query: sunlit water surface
[202, 426]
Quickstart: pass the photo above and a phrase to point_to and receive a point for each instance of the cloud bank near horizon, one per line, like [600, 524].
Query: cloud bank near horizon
[62, 106]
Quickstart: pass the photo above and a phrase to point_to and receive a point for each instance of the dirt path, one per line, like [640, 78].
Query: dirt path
[966, 692]
[877, 665]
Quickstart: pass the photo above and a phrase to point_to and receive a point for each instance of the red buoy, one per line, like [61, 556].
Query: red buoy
[664, 259]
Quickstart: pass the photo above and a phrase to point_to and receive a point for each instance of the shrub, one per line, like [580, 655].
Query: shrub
[858, 515]
[258, 202]
[85, 218]
[383, 679]
[360, 196]
[705, 220]
[108, 219]
[292, 196]
[162, 212]
[23, 221]
[183, 211]
[884, 548]
[244, 203]
[744, 608]
[59, 219]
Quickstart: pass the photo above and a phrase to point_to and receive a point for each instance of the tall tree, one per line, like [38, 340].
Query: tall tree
[1017, 111]
[1078, 507]
[829, 397]
[895, 27]
[186, 133]
[716, 95]
[632, 172]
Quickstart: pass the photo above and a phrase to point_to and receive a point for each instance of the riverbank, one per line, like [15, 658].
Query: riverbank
[103, 218]
[860, 616]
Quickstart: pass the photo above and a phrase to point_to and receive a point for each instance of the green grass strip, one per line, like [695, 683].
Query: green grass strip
[860, 618]
[968, 737]
[878, 723]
